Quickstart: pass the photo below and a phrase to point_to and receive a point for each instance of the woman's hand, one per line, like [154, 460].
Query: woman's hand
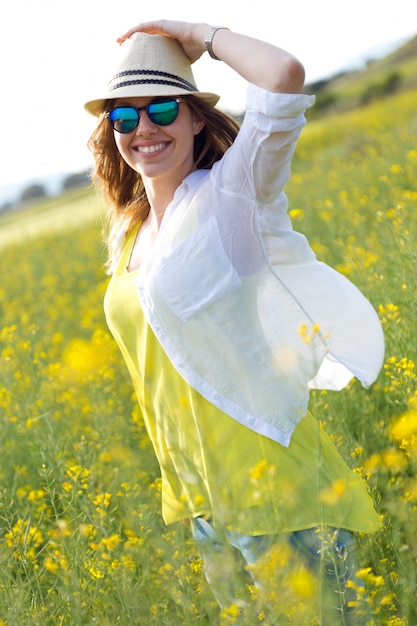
[190, 36]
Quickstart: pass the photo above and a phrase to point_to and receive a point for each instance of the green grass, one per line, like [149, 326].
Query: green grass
[69, 211]
[81, 537]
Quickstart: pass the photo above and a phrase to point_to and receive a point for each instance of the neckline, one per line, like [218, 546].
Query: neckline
[127, 250]
[191, 180]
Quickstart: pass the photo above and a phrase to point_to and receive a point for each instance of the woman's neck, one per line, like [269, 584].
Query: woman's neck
[160, 193]
[159, 198]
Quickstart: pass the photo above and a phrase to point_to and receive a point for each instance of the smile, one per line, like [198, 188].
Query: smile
[150, 149]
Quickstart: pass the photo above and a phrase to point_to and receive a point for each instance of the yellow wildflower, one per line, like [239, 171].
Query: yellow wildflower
[404, 427]
[51, 565]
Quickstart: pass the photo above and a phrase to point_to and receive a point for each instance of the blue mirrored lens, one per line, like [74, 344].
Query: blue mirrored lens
[124, 119]
[163, 112]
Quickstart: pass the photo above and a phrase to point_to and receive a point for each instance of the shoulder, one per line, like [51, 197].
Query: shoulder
[117, 239]
[277, 104]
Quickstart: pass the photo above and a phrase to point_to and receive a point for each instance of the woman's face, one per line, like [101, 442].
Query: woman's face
[159, 152]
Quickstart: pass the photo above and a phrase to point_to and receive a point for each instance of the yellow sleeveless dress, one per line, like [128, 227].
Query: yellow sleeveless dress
[212, 465]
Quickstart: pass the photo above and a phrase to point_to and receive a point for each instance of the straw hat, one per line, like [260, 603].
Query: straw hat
[151, 66]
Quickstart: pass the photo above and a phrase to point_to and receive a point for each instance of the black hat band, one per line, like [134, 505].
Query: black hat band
[174, 81]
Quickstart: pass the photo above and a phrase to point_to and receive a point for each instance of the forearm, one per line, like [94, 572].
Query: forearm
[258, 62]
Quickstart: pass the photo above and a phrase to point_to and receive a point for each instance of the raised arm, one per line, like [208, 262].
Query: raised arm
[258, 62]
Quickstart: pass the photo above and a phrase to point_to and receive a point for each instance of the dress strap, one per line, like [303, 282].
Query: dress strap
[127, 249]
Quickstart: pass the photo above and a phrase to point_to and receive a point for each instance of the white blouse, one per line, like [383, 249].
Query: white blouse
[244, 310]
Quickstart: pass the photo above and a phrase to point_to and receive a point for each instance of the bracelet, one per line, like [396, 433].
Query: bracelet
[208, 40]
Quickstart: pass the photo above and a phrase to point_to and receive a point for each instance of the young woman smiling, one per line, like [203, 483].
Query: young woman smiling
[226, 318]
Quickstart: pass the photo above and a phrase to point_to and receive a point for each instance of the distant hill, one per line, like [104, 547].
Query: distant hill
[379, 78]
[20, 194]
[408, 50]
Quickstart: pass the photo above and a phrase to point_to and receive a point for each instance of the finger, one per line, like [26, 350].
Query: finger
[128, 33]
[152, 28]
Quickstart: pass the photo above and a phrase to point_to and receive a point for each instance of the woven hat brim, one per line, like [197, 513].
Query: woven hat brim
[96, 107]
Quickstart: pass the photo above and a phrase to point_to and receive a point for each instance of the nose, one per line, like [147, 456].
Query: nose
[145, 124]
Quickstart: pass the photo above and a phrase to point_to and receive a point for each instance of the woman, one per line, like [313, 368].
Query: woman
[225, 317]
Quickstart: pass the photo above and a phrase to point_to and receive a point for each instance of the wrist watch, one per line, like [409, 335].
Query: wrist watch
[208, 40]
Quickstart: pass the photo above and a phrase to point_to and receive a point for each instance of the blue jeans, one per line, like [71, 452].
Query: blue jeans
[319, 563]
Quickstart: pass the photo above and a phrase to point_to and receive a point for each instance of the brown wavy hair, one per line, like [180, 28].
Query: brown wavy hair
[122, 187]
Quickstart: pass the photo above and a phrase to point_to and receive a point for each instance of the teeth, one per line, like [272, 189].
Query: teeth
[148, 149]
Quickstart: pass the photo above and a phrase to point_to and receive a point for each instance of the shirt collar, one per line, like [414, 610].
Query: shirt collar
[194, 178]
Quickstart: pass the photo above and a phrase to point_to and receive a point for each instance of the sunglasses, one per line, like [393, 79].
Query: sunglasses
[161, 111]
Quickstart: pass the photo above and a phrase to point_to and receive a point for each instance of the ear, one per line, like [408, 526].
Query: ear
[198, 125]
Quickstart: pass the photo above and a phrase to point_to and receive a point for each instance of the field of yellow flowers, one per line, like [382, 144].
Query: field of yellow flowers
[81, 537]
